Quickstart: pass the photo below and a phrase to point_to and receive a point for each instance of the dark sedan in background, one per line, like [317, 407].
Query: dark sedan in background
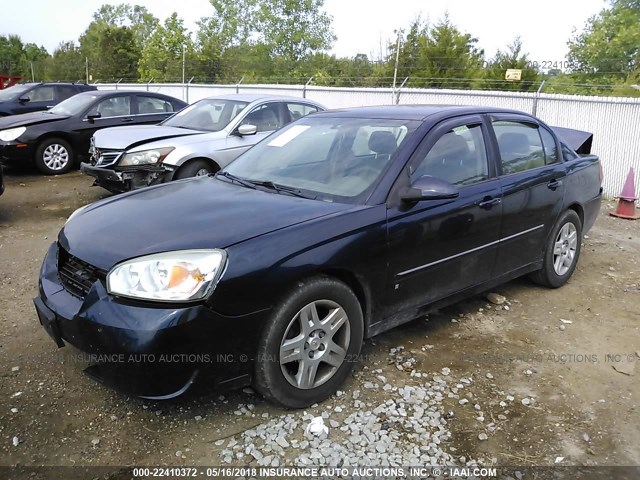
[34, 97]
[333, 229]
[54, 140]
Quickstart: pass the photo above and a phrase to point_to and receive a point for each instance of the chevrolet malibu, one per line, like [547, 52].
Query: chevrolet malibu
[334, 229]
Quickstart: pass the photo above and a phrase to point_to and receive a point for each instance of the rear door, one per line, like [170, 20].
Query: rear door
[532, 183]
[151, 109]
[439, 247]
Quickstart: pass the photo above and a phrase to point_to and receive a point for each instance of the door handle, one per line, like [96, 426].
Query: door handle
[127, 119]
[489, 203]
[553, 184]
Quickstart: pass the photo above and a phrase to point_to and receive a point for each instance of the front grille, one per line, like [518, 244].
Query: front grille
[76, 275]
[104, 158]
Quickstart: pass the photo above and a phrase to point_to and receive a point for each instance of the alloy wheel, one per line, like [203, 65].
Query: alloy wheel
[315, 344]
[564, 248]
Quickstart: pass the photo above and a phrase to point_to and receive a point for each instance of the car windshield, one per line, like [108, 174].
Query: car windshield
[209, 115]
[12, 92]
[333, 159]
[74, 105]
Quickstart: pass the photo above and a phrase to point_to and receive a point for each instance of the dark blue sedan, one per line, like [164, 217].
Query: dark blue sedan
[336, 228]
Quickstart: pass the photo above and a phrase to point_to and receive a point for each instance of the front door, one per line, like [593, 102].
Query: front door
[439, 247]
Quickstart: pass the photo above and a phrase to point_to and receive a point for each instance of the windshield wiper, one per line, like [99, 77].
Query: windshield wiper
[233, 178]
[282, 188]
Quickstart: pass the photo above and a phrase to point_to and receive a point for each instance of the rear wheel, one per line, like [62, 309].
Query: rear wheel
[54, 156]
[309, 343]
[195, 168]
[562, 251]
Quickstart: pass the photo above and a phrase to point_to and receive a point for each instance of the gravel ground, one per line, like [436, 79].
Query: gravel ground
[525, 376]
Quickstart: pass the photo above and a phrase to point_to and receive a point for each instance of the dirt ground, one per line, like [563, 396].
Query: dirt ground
[572, 353]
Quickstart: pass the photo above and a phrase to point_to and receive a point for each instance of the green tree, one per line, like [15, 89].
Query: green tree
[439, 56]
[609, 46]
[294, 29]
[141, 22]
[66, 64]
[161, 57]
[512, 58]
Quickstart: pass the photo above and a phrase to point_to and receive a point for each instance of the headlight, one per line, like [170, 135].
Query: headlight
[11, 134]
[75, 212]
[145, 157]
[181, 276]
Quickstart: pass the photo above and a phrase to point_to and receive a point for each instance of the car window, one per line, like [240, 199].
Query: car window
[520, 146]
[459, 157]
[114, 106]
[337, 158]
[550, 149]
[66, 91]
[299, 110]
[265, 117]
[41, 94]
[147, 105]
[13, 92]
[209, 114]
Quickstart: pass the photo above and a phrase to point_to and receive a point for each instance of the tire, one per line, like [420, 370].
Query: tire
[326, 356]
[562, 252]
[195, 168]
[54, 156]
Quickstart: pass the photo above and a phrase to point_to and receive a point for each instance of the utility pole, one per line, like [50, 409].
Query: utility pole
[33, 77]
[86, 70]
[395, 70]
[183, 62]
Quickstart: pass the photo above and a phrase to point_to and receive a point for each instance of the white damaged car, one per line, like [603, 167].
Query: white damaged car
[198, 140]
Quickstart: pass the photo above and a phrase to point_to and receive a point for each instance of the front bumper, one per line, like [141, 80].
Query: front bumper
[154, 350]
[126, 180]
[15, 152]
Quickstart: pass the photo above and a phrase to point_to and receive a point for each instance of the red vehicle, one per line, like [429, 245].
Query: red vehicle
[7, 81]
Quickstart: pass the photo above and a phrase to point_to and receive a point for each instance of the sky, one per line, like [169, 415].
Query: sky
[362, 26]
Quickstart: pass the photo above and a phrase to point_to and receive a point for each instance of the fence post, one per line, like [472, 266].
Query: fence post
[238, 85]
[534, 108]
[304, 89]
[149, 83]
[400, 88]
[117, 83]
[188, 85]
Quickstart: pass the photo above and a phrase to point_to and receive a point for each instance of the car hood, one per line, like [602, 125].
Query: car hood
[123, 138]
[196, 213]
[26, 119]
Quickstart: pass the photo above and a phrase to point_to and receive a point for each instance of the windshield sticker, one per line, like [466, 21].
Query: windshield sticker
[284, 138]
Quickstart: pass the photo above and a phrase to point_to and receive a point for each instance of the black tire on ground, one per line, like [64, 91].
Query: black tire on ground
[333, 352]
[195, 168]
[54, 156]
[561, 252]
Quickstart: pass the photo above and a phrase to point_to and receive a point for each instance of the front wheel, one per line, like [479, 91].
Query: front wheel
[54, 156]
[562, 251]
[195, 168]
[309, 343]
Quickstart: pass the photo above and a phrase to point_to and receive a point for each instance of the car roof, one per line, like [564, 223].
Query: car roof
[104, 93]
[255, 97]
[34, 84]
[412, 112]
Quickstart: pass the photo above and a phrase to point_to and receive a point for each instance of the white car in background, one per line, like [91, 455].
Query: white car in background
[198, 140]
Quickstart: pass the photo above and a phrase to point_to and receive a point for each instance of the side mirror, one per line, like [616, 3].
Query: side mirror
[24, 99]
[429, 188]
[92, 115]
[247, 130]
